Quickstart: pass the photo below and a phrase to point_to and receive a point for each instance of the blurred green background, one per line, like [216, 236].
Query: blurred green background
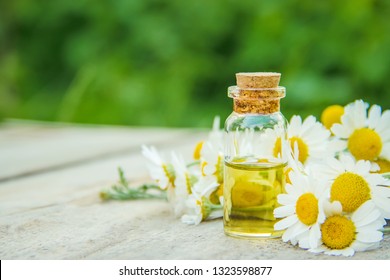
[169, 63]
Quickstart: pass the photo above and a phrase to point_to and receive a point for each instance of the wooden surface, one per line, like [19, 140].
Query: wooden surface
[50, 178]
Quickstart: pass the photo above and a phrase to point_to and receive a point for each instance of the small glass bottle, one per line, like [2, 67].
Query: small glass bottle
[255, 155]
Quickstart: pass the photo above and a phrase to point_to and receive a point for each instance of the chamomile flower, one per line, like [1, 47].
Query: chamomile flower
[183, 184]
[199, 206]
[183, 179]
[242, 143]
[353, 184]
[160, 170]
[198, 211]
[209, 153]
[212, 162]
[214, 189]
[365, 136]
[215, 140]
[308, 139]
[215, 137]
[197, 150]
[301, 209]
[331, 115]
[345, 234]
[273, 145]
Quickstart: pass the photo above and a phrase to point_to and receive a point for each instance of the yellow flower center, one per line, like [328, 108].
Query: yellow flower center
[202, 166]
[307, 208]
[197, 150]
[332, 115]
[338, 232]
[188, 183]
[365, 143]
[214, 196]
[278, 147]
[287, 173]
[169, 173]
[302, 147]
[351, 190]
[218, 169]
[202, 204]
[247, 194]
[384, 165]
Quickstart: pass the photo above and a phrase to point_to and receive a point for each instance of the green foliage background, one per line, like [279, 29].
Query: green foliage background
[169, 63]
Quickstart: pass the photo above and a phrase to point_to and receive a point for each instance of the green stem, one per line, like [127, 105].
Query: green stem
[216, 207]
[386, 229]
[122, 191]
[193, 163]
[126, 193]
[386, 175]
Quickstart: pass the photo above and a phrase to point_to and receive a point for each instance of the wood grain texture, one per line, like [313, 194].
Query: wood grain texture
[36, 147]
[55, 213]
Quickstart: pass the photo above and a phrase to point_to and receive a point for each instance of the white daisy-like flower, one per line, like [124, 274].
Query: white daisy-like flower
[183, 181]
[197, 215]
[215, 139]
[301, 209]
[199, 206]
[308, 139]
[160, 170]
[346, 234]
[183, 184]
[242, 143]
[352, 183]
[331, 115]
[212, 162]
[210, 186]
[365, 136]
[271, 143]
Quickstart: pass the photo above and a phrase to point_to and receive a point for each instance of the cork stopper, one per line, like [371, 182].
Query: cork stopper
[257, 93]
[258, 80]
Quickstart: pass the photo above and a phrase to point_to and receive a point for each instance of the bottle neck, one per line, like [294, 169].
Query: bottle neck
[256, 101]
[256, 106]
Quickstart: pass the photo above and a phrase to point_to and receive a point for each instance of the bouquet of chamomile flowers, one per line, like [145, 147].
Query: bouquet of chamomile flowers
[337, 194]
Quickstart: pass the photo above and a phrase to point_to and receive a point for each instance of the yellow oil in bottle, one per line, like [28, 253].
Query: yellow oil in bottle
[250, 197]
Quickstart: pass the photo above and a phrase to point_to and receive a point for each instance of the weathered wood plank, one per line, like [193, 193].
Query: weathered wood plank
[58, 215]
[63, 185]
[39, 147]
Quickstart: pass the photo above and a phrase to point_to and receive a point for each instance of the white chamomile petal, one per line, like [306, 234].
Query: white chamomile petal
[366, 136]
[383, 205]
[159, 169]
[314, 236]
[332, 208]
[349, 252]
[293, 231]
[369, 236]
[361, 213]
[383, 124]
[338, 129]
[284, 211]
[305, 193]
[286, 222]
[286, 199]
[374, 116]
[354, 184]
[344, 234]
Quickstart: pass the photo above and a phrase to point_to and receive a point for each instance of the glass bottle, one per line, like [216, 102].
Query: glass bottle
[255, 155]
